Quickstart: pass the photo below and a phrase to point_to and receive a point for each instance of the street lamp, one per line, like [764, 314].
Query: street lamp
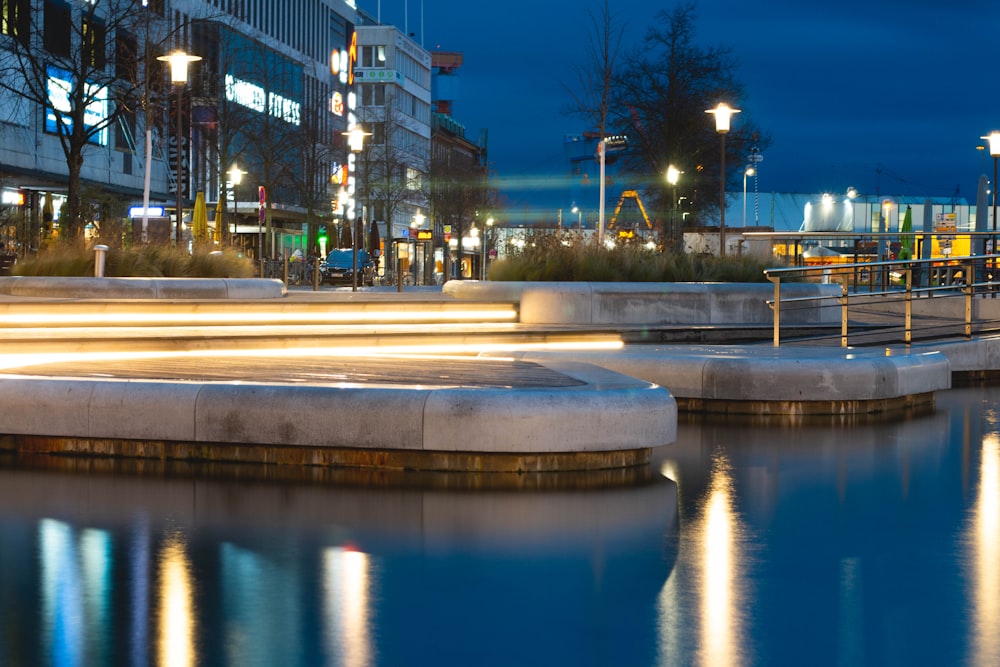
[749, 171]
[994, 140]
[235, 178]
[673, 176]
[486, 237]
[579, 216]
[723, 114]
[179, 62]
[356, 142]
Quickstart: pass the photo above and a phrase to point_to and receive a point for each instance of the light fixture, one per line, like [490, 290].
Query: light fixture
[723, 115]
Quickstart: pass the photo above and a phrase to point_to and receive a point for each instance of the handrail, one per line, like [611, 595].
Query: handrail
[966, 269]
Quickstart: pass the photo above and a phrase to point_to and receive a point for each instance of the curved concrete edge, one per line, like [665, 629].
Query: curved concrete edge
[655, 303]
[609, 413]
[973, 356]
[741, 375]
[141, 288]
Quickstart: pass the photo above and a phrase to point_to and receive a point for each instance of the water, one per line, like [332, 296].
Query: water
[811, 544]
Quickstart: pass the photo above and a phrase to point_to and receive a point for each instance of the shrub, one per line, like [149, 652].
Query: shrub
[137, 261]
[552, 258]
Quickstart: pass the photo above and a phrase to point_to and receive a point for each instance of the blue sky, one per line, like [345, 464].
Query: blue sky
[890, 97]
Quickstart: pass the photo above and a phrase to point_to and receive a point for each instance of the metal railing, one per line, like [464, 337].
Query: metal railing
[892, 282]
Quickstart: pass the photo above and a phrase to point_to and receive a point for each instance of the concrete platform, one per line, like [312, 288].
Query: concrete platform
[571, 417]
[763, 380]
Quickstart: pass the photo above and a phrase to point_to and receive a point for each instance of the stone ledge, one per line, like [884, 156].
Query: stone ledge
[652, 304]
[141, 288]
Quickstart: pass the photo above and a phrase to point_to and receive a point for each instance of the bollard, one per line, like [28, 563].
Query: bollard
[99, 258]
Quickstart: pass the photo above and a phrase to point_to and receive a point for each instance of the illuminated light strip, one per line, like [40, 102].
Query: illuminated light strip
[10, 361]
[359, 317]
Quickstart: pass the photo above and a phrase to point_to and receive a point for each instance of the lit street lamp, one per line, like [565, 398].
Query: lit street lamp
[673, 176]
[723, 114]
[235, 177]
[579, 216]
[486, 237]
[749, 171]
[179, 62]
[994, 140]
[356, 142]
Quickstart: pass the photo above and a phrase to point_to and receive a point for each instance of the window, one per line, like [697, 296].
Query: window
[93, 43]
[373, 95]
[56, 37]
[373, 56]
[15, 19]
[126, 55]
[378, 133]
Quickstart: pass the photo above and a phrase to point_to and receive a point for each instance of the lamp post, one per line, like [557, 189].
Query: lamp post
[235, 177]
[673, 176]
[579, 216]
[179, 62]
[723, 115]
[356, 142]
[486, 229]
[994, 140]
[749, 171]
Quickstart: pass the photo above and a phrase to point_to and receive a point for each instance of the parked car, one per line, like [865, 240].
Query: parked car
[338, 268]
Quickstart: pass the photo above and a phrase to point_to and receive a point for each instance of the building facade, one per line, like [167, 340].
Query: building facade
[393, 82]
[270, 98]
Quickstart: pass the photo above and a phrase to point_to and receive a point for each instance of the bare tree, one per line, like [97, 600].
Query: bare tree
[58, 61]
[660, 97]
[591, 96]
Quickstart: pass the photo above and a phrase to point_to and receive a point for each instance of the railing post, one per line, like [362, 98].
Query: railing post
[843, 315]
[968, 289]
[777, 309]
[908, 326]
[316, 274]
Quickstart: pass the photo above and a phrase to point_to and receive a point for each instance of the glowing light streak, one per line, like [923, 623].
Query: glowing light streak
[328, 317]
[11, 361]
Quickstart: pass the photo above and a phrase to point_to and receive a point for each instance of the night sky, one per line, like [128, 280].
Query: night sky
[888, 96]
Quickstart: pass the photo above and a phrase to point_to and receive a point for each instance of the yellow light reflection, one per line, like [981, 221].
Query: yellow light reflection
[346, 602]
[984, 552]
[12, 361]
[176, 637]
[717, 545]
[401, 315]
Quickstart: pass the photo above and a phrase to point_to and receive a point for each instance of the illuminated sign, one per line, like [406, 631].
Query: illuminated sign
[152, 212]
[626, 233]
[337, 104]
[424, 235]
[254, 97]
[59, 87]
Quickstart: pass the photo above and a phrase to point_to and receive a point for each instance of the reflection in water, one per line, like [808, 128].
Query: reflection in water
[75, 592]
[346, 607]
[710, 555]
[983, 544]
[176, 646]
[716, 541]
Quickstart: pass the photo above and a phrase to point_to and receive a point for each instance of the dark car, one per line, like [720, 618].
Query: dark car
[338, 268]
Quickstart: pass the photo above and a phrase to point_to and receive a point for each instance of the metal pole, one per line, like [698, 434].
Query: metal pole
[722, 197]
[180, 193]
[601, 149]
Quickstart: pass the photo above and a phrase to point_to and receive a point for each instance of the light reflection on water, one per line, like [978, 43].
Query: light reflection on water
[806, 544]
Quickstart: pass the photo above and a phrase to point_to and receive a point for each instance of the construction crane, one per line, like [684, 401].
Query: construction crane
[629, 194]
